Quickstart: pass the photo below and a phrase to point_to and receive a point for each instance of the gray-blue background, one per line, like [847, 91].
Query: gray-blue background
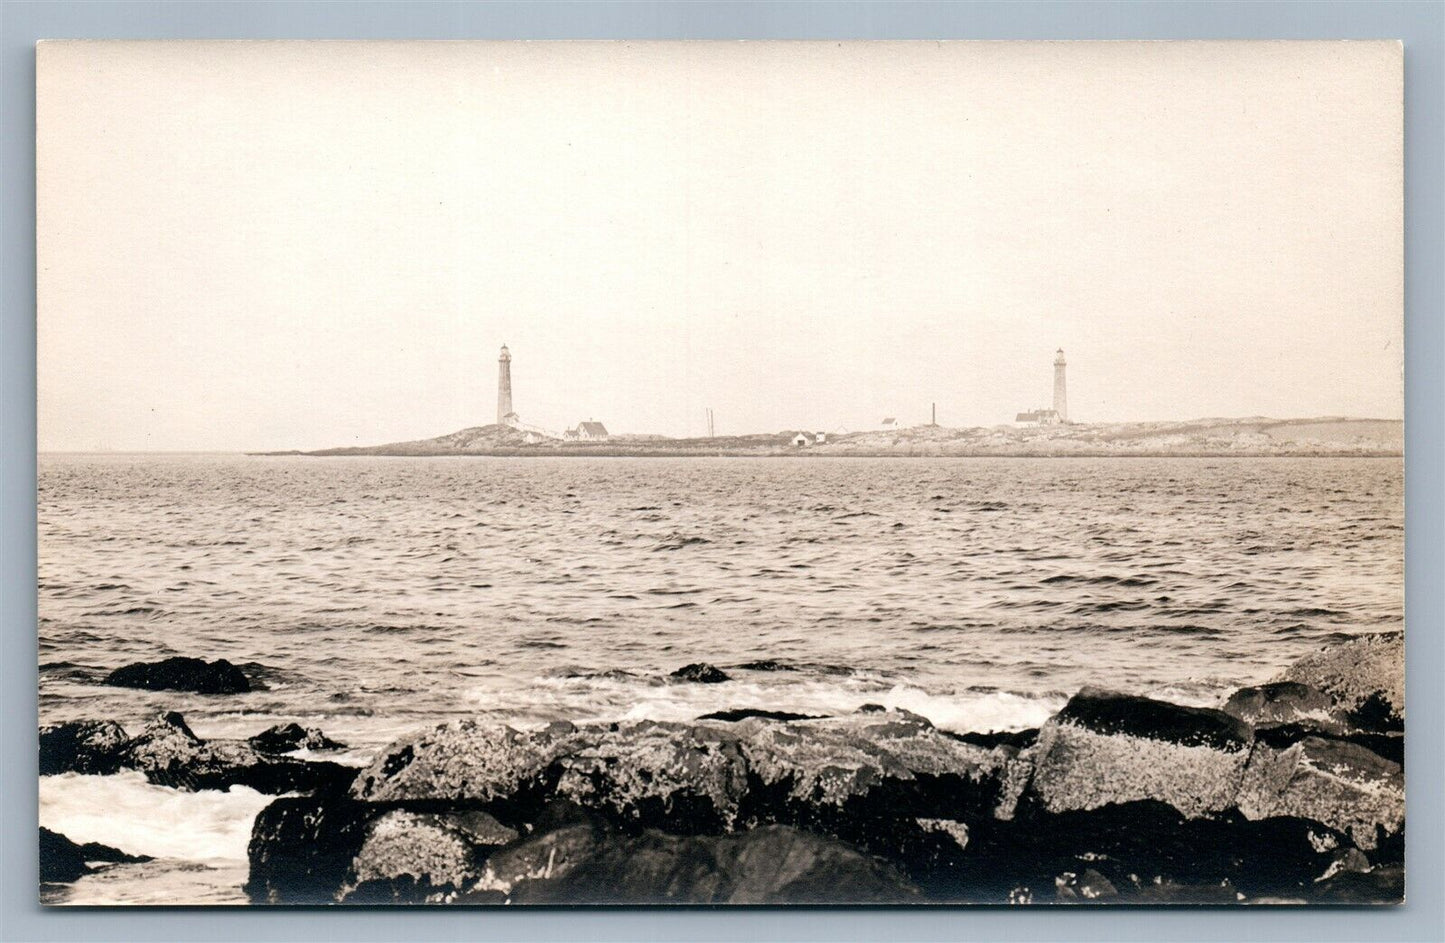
[1421, 25]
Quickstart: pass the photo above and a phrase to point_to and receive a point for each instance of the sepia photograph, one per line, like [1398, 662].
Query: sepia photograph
[483, 473]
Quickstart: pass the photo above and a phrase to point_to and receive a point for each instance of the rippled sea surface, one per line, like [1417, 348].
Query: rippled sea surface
[373, 596]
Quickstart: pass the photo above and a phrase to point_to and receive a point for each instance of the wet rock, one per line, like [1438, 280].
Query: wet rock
[684, 778]
[743, 713]
[1346, 859]
[1284, 702]
[1142, 793]
[182, 674]
[169, 754]
[1334, 782]
[301, 849]
[1083, 888]
[770, 865]
[1172, 892]
[534, 865]
[645, 774]
[81, 746]
[881, 781]
[1379, 885]
[1389, 849]
[420, 847]
[421, 856]
[1105, 748]
[701, 673]
[648, 811]
[329, 849]
[888, 783]
[285, 738]
[1109, 713]
[1389, 745]
[832, 762]
[1139, 846]
[766, 664]
[62, 860]
[1018, 739]
[1364, 676]
[466, 760]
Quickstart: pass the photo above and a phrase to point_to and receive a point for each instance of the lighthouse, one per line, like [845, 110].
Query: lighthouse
[1061, 390]
[505, 415]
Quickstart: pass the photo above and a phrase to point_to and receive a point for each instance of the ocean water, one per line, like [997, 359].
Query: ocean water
[374, 596]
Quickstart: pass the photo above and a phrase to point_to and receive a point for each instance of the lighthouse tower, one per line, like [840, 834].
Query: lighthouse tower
[505, 415]
[1061, 390]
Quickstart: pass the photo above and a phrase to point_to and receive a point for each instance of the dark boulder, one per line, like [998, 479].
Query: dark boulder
[1105, 748]
[1365, 677]
[1018, 739]
[1088, 887]
[743, 713]
[701, 673]
[1391, 746]
[1334, 782]
[770, 865]
[1284, 702]
[862, 778]
[301, 849]
[530, 871]
[1109, 713]
[645, 774]
[169, 754]
[62, 860]
[767, 664]
[1378, 885]
[676, 777]
[465, 760]
[328, 849]
[416, 857]
[1117, 792]
[182, 674]
[1140, 848]
[285, 738]
[888, 783]
[81, 746]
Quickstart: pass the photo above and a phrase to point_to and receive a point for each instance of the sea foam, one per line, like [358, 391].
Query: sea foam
[608, 698]
[139, 818]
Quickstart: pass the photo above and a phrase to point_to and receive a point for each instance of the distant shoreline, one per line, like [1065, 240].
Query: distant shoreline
[815, 455]
[1253, 437]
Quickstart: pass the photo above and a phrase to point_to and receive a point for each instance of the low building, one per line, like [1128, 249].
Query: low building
[820, 438]
[1039, 417]
[591, 431]
[888, 424]
[801, 440]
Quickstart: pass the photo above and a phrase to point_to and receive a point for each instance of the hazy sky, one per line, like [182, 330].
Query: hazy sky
[300, 245]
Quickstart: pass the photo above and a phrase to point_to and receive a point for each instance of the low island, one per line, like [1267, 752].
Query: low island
[1249, 437]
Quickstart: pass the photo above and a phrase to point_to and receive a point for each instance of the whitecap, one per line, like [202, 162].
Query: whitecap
[126, 812]
[612, 698]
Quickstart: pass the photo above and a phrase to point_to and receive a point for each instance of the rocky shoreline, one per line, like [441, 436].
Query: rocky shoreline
[1293, 792]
